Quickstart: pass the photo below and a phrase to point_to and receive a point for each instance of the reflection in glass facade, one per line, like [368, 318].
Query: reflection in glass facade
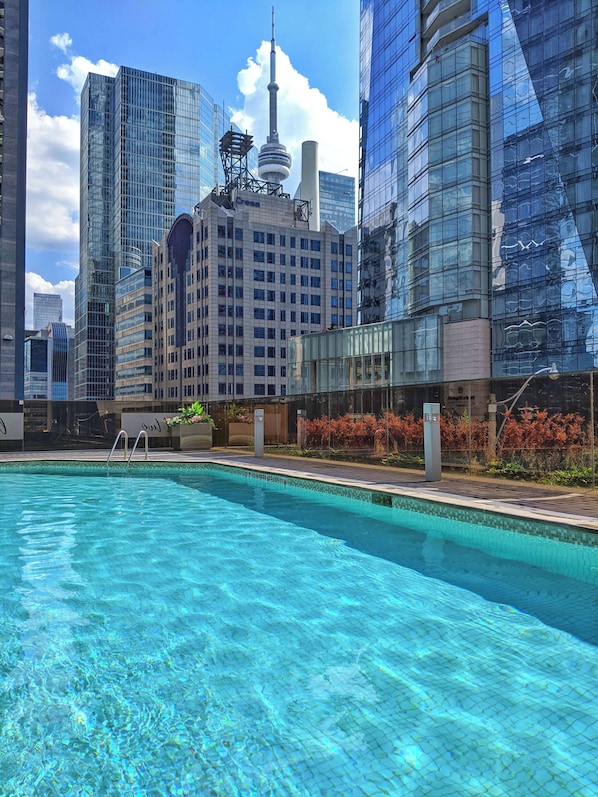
[149, 151]
[476, 195]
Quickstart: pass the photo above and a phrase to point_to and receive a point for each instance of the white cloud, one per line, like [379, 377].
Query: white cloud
[61, 40]
[303, 115]
[53, 162]
[52, 180]
[76, 71]
[36, 284]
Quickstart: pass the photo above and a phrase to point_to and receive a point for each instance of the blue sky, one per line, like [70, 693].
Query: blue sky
[220, 45]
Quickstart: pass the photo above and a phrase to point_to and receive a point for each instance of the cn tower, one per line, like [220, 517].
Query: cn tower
[274, 162]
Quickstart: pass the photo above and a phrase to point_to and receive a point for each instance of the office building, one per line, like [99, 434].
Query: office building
[133, 335]
[337, 200]
[149, 151]
[233, 283]
[47, 307]
[477, 192]
[49, 363]
[13, 141]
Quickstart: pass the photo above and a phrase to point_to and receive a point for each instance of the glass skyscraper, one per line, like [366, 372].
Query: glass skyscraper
[149, 151]
[337, 200]
[47, 307]
[13, 142]
[477, 193]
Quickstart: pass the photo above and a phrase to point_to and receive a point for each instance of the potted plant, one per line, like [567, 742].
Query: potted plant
[191, 428]
[240, 425]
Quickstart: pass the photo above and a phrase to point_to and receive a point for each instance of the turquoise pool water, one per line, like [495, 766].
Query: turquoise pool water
[199, 635]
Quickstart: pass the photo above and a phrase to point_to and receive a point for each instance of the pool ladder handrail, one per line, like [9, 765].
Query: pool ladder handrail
[144, 434]
[123, 434]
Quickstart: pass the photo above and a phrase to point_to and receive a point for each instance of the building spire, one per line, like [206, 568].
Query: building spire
[274, 162]
[273, 88]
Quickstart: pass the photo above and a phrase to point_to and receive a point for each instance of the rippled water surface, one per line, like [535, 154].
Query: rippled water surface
[203, 636]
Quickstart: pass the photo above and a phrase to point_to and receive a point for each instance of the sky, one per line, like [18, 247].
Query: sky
[223, 45]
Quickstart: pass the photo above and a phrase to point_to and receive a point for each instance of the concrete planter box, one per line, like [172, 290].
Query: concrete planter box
[240, 434]
[192, 436]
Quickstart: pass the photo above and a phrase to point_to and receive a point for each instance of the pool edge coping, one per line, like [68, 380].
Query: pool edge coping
[574, 529]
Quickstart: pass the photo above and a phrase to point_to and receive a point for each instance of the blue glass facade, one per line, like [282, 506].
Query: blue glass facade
[149, 151]
[477, 196]
[337, 200]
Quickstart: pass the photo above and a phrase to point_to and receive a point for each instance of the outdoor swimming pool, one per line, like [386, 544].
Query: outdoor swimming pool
[194, 634]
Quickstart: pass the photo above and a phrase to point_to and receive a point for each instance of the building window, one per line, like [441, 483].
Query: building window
[259, 370]
[258, 237]
[259, 295]
[259, 332]
[259, 275]
[259, 313]
[283, 240]
[348, 249]
[334, 248]
[259, 256]
[270, 239]
[259, 351]
[271, 352]
[304, 243]
[315, 318]
[270, 258]
[238, 233]
[315, 245]
[315, 300]
[222, 388]
[259, 389]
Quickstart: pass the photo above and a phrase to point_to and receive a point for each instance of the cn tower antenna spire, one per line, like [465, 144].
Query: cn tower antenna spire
[274, 162]
[273, 89]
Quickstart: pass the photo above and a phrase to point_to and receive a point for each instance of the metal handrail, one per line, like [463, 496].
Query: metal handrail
[122, 433]
[142, 433]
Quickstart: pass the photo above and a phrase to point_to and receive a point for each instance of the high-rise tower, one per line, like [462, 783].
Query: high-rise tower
[477, 180]
[274, 162]
[13, 141]
[148, 151]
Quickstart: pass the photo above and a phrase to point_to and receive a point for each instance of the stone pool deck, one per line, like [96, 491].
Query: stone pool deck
[573, 506]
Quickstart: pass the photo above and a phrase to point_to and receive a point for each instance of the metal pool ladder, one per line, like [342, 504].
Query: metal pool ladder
[124, 435]
[141, 434]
